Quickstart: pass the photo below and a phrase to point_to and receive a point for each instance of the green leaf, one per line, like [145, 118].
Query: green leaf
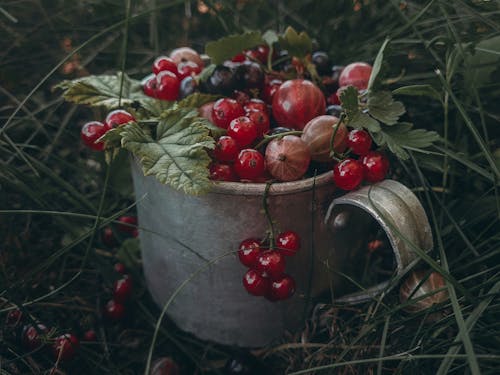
[402, 136]
[196, 100]
[364, 121]
[297, 44]
[349, 100]
[377, 64]
[154, 107]
[356, 118]
[418, 90]
[225, 48]
[270, 37]
[382, 106]
[129, 252]
[103, 90]
[178, 155]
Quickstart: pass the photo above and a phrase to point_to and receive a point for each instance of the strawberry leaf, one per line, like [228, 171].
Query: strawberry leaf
[103, 90]
[227, 47]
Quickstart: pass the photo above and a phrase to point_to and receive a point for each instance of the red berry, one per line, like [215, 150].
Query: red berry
[261, 119]
[271, 262]
[240, 57]
[90, 335]
[226, 110]
[270, 89]
[334, 99]
[91, 132]
[13, 318]
[255, 104]
[127, 224]
[256, 283]
[241, 97]
[281, 288]
[356, 74]
[348, 174]
[258, 54]
[120, 268]
[288, 242]
[187, 69]
[149, 85]
[122, 289]
[359, 141]
[167, 86]
[65, 347]
[222, 172]
[30, 336]
[183, 54]
[248, 252]
[164, 366]
[249, 164]
[375, 166]
[118, 117]
[164, 63]
[226, 149]
[108, 237]
[114, 311]
[243, 130]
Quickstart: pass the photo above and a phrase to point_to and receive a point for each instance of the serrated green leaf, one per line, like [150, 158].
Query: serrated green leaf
[402, 136]
[270, 37]
[154, 107]
[227, 47]
[196, 100]
[364, 121]
[103, 90]
[349, 100]
[377, 64]
[382, 106]
[177, 156]
[418, 90]
[297, 44]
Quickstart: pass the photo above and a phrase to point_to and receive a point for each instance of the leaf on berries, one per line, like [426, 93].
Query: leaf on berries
[103, 90]
[270, 37]
[402, 137]
[377, 64]
[418, 90]
[297, 44]
[196, 100]
[356, 118]
[382, 106]
[349, 100]
[364, 121]
[177, 155]
[151, 107]
[227, 47]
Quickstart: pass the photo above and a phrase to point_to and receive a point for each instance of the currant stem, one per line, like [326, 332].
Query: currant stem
[332, 138]
[268, 138]
[268, 216]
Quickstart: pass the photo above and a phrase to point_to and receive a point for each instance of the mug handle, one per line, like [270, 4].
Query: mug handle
[400, 214]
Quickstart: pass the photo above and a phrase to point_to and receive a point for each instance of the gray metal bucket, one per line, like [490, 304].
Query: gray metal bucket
[180, 233]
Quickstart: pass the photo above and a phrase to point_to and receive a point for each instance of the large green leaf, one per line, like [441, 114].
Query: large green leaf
[297, 44]
[177, 155]
[103, 90]
[225, 48]
[382, 106]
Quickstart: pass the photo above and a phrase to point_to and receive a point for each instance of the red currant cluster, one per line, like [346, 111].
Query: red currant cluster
[127, 226]
[93, 130]
[266, 275]
[122, 291]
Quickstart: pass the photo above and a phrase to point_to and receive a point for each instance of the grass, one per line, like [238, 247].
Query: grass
[57, 196]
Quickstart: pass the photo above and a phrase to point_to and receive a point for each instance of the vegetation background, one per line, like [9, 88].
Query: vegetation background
[55, 197]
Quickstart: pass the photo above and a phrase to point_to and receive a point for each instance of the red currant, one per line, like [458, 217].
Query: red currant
[248, 252]
[13, 318]
[164, 63]
[226, 149]
[91, 132]
[348, 174]
[261, 120]
[249, 164]
[288, 242]
[114, 311]
[90, 335]
[258, 54]
[187, 69]
[375, 166]
[127, 224]
[118, 117]
[255, 104]
[65, 347]
[281, 288]
[356, 74]
[271, 262]
[222, 172]
[149, 85]
[120, 268]
[359, 141]
[270, 89]
[226, 110]
[108, 237]
[243, 130]
[256, 283]
[239, 58]
[122, 289]
[334, 99]
[167, 86]
[31, 339]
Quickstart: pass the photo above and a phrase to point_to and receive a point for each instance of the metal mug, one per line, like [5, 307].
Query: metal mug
[181, 236]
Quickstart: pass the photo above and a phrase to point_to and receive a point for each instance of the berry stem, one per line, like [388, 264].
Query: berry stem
[332, 138]
[268, 216]
[268, 138]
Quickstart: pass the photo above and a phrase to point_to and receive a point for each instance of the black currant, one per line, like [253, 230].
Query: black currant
[322, 62]
[221, 81]
[249, 75]
[188, 86]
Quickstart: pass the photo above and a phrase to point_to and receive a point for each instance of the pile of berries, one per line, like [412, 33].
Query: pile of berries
[266, 274]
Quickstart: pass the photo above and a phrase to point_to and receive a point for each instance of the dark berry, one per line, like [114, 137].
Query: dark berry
[271, 262]
[243, 130]
[114, 311]
[359, 141]
[256, 282]
[249, 75]
[13, 318]
[91, 132]
[244, 364]
[118, 117]
[348, 174]
[322, 62]
[65, 347]
[222, 172]
[375, 166]
[248, 252]
[226, 149]
[249, 164]
[288, 242]
[164, 366]
[30, 336]
[226, 110]
[281, 288]
[334, 110]
[163, 63]
[167, 86]
[221, 81]
[120, 268]
[241, 97]
[90, 335]
[188, 86]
